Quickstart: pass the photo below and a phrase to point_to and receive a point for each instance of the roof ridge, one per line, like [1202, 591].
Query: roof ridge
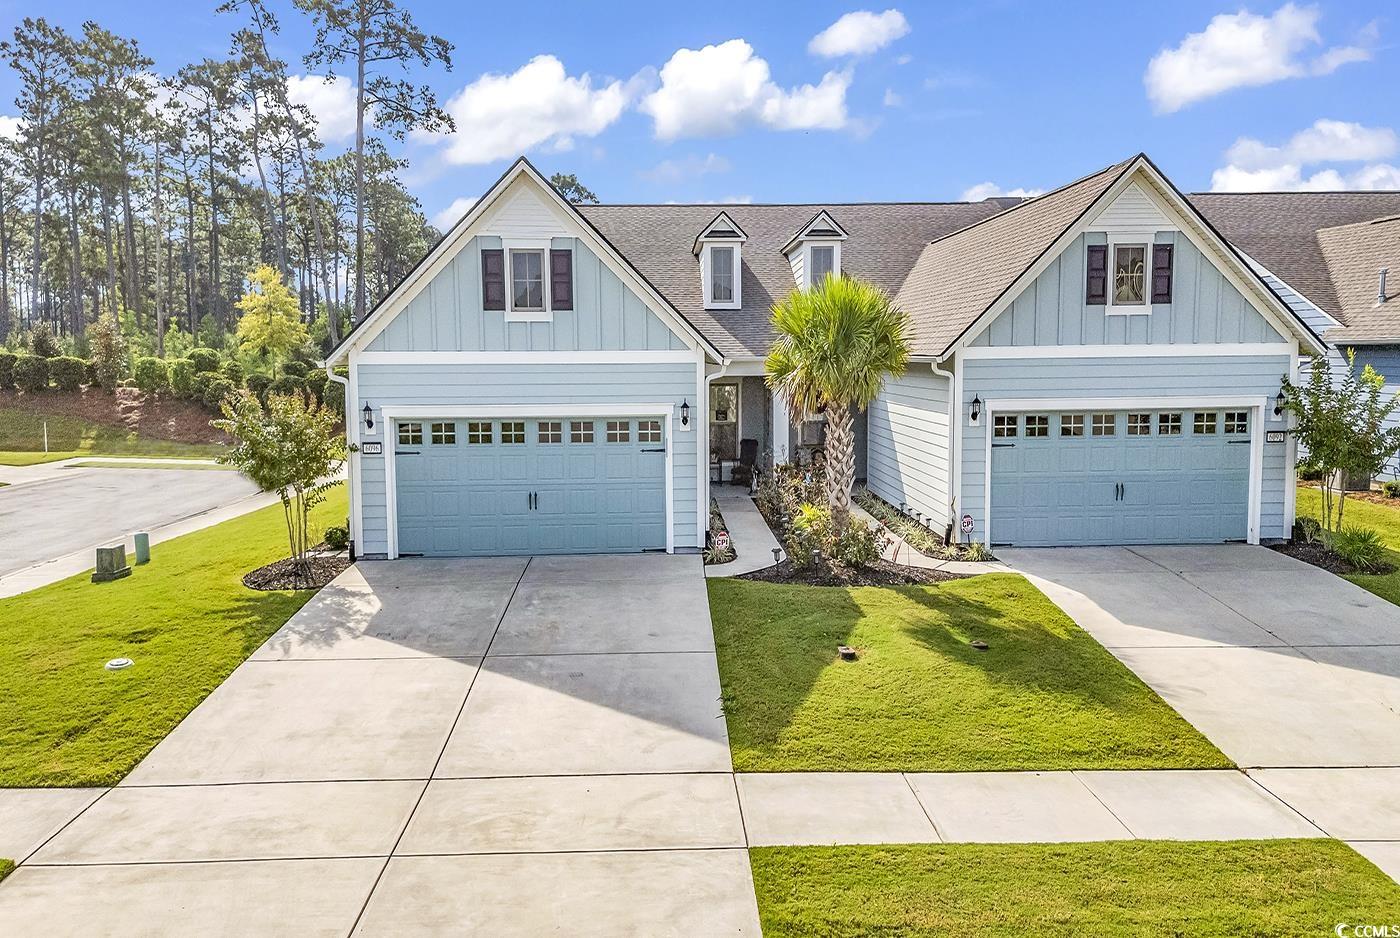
[816, 205]
[1379, 192]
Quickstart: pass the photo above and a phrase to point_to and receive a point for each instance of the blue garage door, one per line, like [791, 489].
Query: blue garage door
[536, 486]
[1143, 477]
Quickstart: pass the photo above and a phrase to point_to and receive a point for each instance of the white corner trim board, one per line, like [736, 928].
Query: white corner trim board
[1173, 350]
[664, 412]
[1257, 405]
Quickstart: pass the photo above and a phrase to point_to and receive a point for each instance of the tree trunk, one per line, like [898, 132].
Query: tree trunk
[278, 244]
[216, 307]
[840, 461]
[38, 223]
[132, 292]
[160, 295]
[5, 325]
[360, 174]
[111, 253]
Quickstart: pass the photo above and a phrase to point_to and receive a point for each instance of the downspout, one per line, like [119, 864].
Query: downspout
[352, 436]
[954, 450]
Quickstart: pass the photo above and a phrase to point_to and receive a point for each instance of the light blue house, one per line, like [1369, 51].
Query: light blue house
[1093, 366]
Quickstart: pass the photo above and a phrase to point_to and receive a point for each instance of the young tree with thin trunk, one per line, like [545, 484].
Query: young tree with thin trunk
[836, 344]
[370, 35]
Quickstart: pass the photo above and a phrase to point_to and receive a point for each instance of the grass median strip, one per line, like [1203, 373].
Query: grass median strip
[1274, 888]
[919, 697]
[186, 620]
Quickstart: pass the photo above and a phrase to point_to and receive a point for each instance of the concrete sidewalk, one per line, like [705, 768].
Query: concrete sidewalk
[753, 541]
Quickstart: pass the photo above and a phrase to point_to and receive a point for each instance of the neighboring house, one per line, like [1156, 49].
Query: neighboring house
[1092, 366]
[1334, 257]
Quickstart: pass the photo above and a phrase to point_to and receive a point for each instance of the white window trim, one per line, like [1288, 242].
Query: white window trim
[706, 260]
[1130, 239]
[527, 315]
[807, 259]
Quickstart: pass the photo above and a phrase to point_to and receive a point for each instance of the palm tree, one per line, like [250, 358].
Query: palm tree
[837, 342]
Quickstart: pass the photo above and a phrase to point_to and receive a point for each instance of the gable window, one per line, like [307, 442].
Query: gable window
[527, 280]
[1129, 275]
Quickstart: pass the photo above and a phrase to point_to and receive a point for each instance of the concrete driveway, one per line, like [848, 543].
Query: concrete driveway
[500, 746]
[1293, 672]
[64, 510]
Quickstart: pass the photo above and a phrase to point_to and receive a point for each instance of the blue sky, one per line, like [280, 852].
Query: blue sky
[923, 103]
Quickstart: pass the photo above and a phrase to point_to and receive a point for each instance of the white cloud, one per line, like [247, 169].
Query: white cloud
[9, 127]
[1299, 163]
[448, 217]
[859, 33]
[892, 98]
[720, 89]
[500, 116]
[1239, 50]
[687, 168]
[727, 200]
[990, 190]
[332, 103]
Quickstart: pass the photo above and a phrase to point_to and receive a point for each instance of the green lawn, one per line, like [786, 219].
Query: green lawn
[920, 698]
[22, 440]
[186, 620]
[1264, 889]
[1384, 519]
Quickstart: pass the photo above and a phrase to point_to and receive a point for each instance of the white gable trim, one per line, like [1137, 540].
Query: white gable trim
[1238, 273]
[822, 220]
[573, 225]
[728, 223]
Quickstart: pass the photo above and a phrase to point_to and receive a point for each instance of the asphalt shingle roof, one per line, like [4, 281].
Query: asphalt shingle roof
[885, 239]
[1355, 255]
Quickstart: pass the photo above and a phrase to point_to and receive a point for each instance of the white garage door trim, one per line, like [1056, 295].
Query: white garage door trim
[460, 412]
[1256, 435]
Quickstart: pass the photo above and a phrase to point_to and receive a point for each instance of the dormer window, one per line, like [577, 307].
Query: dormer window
[815, 250]
[719, 248]
[1129, 275]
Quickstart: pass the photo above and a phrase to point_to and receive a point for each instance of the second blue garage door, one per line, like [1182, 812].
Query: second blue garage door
[1142, 477]
[530, 486]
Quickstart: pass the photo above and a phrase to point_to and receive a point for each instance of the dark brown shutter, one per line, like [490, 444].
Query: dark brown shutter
[1161, 273]
[493, 279]
[561, 279]
[1096, 275]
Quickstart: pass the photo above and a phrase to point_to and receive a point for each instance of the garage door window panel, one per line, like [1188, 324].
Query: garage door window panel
[1139, 425]
[1204, 423]
[1071, 425]
[478, 432]
[581, 431]
[513, 432]
[1005, 425]
[619, 431]
[1037, 425]
[411, 434]
[649, 431]
[1105, 424]
[1169, 424]
[1237, 422]
[551, 431]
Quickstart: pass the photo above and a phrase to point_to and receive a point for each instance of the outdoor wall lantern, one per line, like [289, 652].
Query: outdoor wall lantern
[1279, 402]
[369, 416]
[976, 412]
[685, 413]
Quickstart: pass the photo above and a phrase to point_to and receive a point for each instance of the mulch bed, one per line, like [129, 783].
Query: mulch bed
[880, 573]
[283, 575]
[1319, 556]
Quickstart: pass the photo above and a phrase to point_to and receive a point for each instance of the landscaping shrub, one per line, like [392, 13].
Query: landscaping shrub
[182, 377]
[812, 539]
[152, 374]
[295, 369]
[216, 388]
[7, 370]
[337, 537]
[1361, 548]
[333, 396]
[109, 361]
[259, 384]
[316, 385]
[1391, 488]
[233, 371]
[42, 341]
[1307, 530]
[287, 384]
[32, 373]
[1310, 471]
[67, 372]
[204, 359]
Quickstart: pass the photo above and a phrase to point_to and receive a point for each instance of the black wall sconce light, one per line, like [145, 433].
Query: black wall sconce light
[685, 413]
[369, 417]
[1279, 402]
[976, 412]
